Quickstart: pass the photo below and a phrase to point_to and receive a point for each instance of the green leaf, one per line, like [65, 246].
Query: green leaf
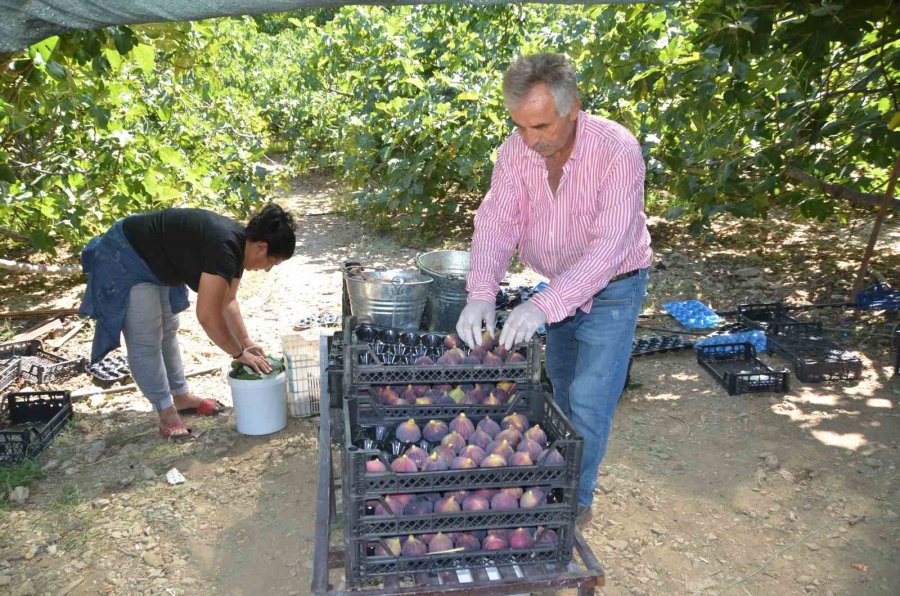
[170, 156]
[145, 56]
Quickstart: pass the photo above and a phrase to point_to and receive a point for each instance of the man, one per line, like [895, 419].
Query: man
[568, 191]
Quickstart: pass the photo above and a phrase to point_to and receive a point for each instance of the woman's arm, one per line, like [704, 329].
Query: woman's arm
[235, 320]
[222, 322]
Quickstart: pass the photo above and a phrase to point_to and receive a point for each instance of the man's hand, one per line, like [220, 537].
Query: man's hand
[521, 324]
[468, 327]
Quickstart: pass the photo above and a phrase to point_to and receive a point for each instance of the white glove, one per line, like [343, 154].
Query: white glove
[521, 324]
[468, 327]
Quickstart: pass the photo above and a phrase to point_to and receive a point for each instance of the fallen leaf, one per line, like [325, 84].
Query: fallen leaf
[860, 566]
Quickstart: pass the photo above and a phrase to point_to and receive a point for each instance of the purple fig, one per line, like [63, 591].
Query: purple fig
[433, 497]
[552, 458]
[423, 401]
[445, 453]
[473, 503]
[393, 548]
[469, 400]
[452, 341]
[434, 463]
[434, 394]
[417, 455]
[374, 466]
[457, 353]
[500, 448]
[470, 360]
[504, 502]
[403, 499]
[531, 498]
[420, 390]
[517, 421]
[500, 395]
[440, 543]
[446, 505]
[488, 426]
[462, 463]
[515, 358]
[467, 542]
[462, 426]
[478, 352]
[493, 461]
[388, 395]
[404, 465]
[424, 361]
[546, 536]
[454, 442]
[413, 547]
[445, 400]
[510, 435]
[392, 506]
[491, 359]
[536, 434]
[447, 359]
[531, 448]
[521, 458]
[473, 452]
[409, 394]
[459, 495]
[491, 400]
[500, 352]
[520, 538]
[476, 394]
[408, 432]
[418, 507]
[435, 430]
[492, 542]
[488, 341]
[515, 491]
[486, 493]
[443, 387]
[503, 532]
[480, 439]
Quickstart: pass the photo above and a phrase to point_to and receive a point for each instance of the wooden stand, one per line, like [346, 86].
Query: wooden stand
[584, 574]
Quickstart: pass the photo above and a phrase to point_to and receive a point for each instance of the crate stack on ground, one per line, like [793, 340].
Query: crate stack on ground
[452, 460]
[29, 420]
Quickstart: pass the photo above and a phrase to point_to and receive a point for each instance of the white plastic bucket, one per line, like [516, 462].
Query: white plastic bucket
[260, 407]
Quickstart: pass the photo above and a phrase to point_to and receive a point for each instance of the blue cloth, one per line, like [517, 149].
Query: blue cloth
[587, 362]
[113, 267]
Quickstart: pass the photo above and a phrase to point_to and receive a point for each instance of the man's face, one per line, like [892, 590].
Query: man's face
[543, 130]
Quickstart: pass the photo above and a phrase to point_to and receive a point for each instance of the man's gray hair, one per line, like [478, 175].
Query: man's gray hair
[553, 70]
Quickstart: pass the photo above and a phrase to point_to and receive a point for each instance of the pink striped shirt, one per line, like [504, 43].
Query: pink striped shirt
[591, 231]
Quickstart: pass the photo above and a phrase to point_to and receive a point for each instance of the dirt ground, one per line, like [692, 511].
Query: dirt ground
[700, 493]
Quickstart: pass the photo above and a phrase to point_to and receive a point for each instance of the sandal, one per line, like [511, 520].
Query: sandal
[206, 407]
[166, 431]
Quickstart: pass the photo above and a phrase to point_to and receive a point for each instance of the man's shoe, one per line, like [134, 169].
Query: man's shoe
[583, 517]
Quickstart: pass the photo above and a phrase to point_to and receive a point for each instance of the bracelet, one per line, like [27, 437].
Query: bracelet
[241, 353]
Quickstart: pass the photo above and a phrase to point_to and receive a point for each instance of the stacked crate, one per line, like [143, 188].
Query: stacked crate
[383, 508]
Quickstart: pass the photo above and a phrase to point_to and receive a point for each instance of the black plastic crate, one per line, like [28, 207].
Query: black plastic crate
[761, 316]
[815, 358]
[736, 367]
[364, 366]
[645, 346]
[359, 418]
[363, 567]
[39, 365]
[335, 369]
[10, 370]
[30, 420]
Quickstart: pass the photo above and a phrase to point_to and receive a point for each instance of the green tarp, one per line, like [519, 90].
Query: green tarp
[25, 22]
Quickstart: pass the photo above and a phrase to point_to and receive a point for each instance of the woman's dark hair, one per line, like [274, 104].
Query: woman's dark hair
[274, 226]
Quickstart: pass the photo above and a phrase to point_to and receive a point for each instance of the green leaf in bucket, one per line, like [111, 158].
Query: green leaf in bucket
[242, 372]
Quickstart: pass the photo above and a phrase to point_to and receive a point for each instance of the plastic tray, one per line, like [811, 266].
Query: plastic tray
[362, 568]
[110, 369]
[30, 421]
[362, 484]
[644, 346]
[755, 337]
[761, 316]
[736, 367]
[39, 365]
[815, 358]
[879, 296]
[693, 314]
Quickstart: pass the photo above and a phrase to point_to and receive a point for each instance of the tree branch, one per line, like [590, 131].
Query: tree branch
[837, 191]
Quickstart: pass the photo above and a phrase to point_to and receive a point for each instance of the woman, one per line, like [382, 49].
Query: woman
[139, 272]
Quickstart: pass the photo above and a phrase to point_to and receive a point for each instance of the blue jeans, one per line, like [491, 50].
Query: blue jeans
[587, 361]
[151, 336]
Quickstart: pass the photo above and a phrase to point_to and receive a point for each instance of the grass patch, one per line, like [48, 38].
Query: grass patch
[22, 474]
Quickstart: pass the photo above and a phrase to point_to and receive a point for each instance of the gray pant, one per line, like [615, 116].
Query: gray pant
[151, 336]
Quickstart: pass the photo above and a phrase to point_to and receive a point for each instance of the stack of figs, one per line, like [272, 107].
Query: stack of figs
[461, 444]
[429, 349]
[451, 542]
[446, 394]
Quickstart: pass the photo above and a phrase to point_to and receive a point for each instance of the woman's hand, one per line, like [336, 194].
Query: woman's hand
[251, 346]
[258, 363]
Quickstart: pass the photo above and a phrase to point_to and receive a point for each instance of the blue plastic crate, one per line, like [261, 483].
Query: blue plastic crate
[693, 314]
[755, 338]
[880, 296]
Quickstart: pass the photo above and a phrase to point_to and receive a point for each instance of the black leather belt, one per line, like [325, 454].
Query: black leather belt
[622, 276]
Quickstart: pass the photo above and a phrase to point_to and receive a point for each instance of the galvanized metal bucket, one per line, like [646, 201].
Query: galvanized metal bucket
[447, 295]
[387, 298]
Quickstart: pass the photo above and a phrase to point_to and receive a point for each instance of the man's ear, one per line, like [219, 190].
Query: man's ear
[576, 109]
[263, 247]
